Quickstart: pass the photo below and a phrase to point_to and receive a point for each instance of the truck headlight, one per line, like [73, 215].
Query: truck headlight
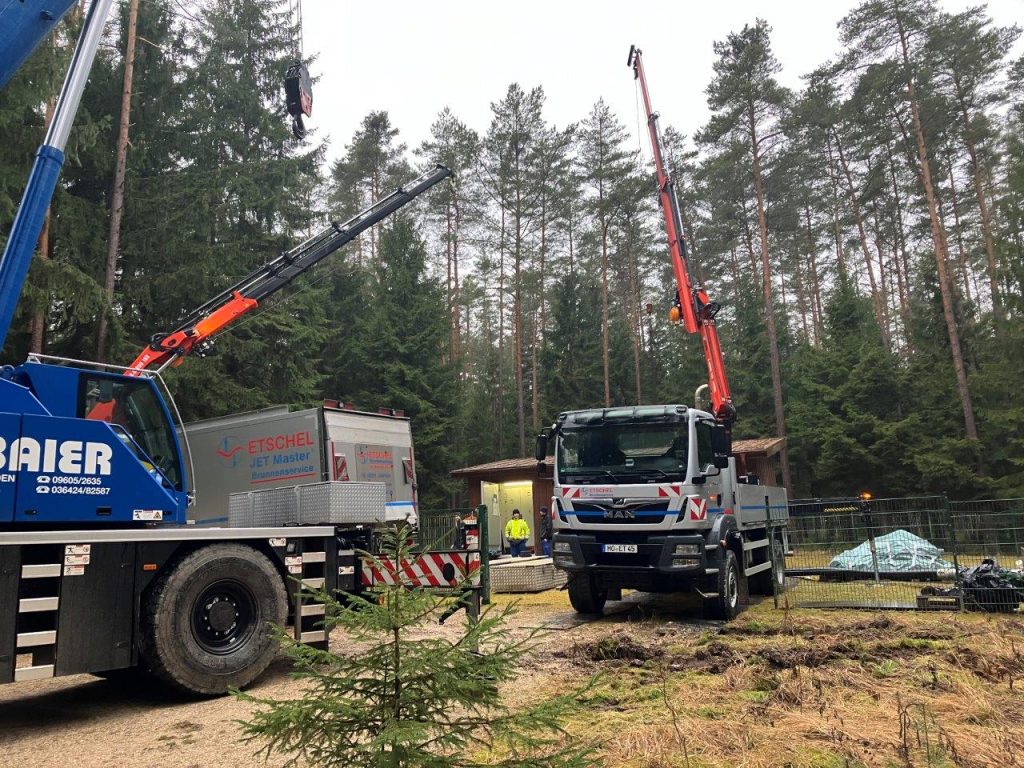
[691, 550]
[562, 546]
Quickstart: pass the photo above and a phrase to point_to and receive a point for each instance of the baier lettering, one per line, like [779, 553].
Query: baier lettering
[71, 457]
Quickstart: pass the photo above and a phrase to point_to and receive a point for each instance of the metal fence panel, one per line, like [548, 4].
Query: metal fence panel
[868, 554]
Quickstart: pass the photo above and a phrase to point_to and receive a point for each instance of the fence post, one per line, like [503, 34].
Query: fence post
[485, 553]
[771, 550]
[865, 508]
[952, 541]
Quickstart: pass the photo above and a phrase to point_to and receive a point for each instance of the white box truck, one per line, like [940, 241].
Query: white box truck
[275, 447]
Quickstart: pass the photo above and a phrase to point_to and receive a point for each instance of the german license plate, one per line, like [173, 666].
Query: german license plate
[619, 549]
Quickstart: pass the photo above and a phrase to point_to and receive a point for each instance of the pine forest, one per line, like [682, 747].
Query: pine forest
[864, 235]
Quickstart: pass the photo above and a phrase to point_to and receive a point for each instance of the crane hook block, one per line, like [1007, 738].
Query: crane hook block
[298, 91]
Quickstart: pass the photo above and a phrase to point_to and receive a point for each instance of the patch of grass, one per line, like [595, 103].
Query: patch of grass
[705, 637]
[885, 668]
[919, 644]
[771, 702]
[756, 696]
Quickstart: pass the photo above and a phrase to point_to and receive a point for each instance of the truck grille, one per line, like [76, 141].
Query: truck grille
[629, 513]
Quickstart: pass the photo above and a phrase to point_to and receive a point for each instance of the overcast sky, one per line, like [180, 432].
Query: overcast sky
[415, 57]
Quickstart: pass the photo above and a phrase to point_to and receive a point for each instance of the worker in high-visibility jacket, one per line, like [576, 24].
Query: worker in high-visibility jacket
[516, 533]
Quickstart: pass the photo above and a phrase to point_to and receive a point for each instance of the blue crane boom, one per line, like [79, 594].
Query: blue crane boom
[24, 24]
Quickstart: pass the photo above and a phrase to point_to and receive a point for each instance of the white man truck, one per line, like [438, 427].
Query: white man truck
[648, 498]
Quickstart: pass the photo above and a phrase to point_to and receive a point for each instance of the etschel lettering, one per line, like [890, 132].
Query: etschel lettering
[279, 442]
[70, 457]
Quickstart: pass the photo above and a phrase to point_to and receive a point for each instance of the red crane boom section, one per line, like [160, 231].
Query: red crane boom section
[694, 309]
[174, 346]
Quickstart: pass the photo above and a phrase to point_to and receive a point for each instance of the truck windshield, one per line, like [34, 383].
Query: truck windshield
[623, 453]
[132, 404]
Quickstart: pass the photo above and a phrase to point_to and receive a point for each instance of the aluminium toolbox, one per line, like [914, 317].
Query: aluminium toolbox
[332, 503]
[533, 574]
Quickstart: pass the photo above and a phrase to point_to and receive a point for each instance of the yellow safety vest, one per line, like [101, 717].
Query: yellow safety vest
[517, 530]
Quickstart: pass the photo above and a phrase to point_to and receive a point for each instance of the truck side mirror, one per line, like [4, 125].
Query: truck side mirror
[541, 452]
[721, 445]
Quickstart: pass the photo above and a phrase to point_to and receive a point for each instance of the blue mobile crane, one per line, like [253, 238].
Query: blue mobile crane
[98, 570]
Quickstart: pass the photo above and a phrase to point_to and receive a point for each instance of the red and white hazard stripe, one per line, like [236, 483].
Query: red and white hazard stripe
[697, 507]
[670, 491]
[426, 570]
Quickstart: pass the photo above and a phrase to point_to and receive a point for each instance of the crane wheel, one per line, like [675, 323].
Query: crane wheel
[206, 624]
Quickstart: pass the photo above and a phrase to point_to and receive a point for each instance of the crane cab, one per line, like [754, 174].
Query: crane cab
[86, 447]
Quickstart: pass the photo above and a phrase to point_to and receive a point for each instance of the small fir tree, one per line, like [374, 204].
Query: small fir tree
[399, 699]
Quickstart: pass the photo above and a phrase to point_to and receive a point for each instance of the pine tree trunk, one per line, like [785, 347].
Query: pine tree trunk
[815, 291]
[970, 428]
[117, 196]
[961, 256]
[882, 290]
[691, 239]
[748, 236]
[766, 285]
[801, 299]
[540, 327]
[457, 293]
[902, 262]
[501, 330]
[604, 314]
[38, 331]
[859, 220]
[837, 228]
[517, 322]
[449, 293]
[635, 321]
[979, 194]
[734, 262]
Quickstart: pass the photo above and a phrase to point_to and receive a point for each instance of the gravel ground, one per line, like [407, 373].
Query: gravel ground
[85, 721]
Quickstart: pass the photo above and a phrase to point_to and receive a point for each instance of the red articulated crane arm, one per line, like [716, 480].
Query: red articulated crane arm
[196, 331]
[692, 306]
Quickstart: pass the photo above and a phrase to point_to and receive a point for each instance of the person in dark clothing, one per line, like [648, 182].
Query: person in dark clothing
[545, 532]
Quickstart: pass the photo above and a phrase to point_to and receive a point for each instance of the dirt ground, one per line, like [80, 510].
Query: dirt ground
[773, 688]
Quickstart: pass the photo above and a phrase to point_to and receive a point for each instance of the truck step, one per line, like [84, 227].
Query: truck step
[748, 545]
[37, 604]
[314, 583]
[313, 609]
[758, 568]
[40, 672]
[40, 571]
[32, 639]
[313, 637]
[710, 571]
[314, 557]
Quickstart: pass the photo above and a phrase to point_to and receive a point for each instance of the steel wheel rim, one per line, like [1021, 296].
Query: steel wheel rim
[224, 617]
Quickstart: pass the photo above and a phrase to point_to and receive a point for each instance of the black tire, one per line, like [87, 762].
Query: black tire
[206, 622]
[761, 583]
[585, 595]
[731, 588]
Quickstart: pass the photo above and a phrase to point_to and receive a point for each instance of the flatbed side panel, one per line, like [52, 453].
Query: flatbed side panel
[10, 565]
[94, 630]
[750, 503]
